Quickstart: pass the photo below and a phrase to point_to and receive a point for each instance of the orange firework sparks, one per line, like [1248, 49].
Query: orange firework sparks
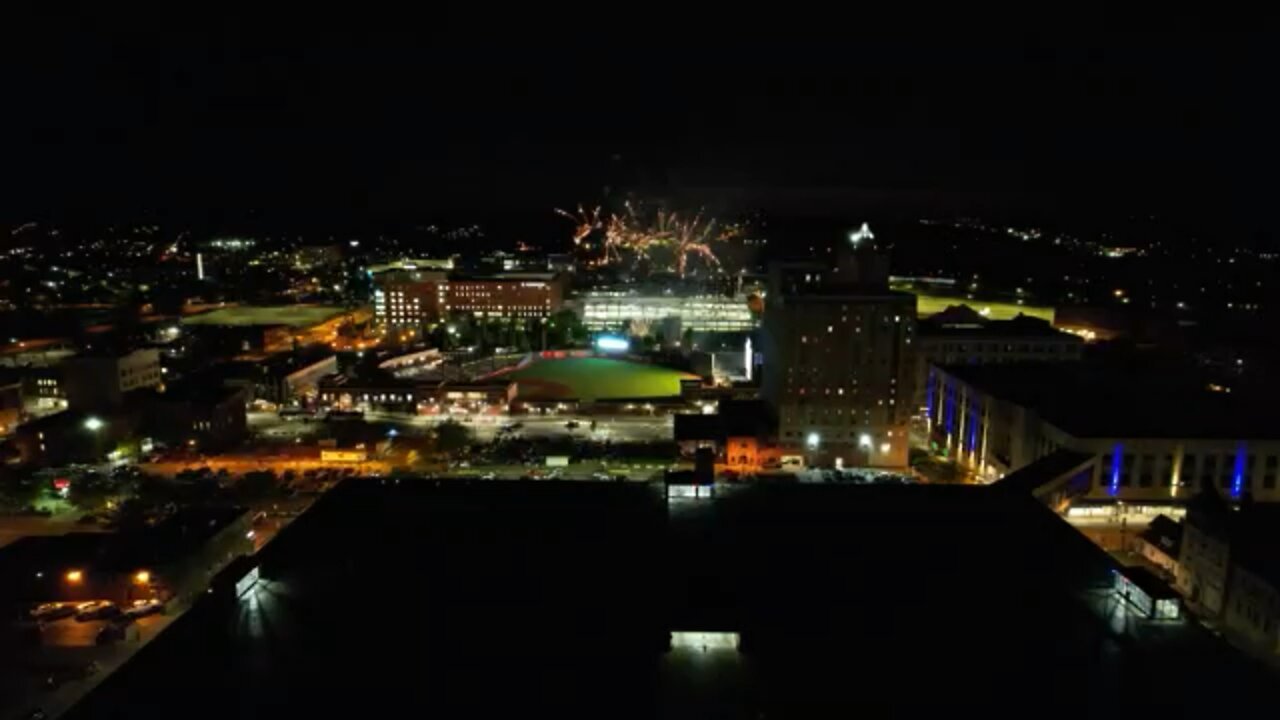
[632, 233]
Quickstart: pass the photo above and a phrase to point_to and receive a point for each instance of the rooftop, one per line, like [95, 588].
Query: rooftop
[1088, 400]
[956, 322]
[193, 390]
[1045, 470]
[1165, 533]
[483, 599]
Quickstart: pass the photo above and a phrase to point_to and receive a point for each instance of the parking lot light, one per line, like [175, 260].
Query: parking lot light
[142, 577]
[74, 576]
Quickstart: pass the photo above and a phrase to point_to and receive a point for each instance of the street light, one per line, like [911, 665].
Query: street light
[142, 577]
[93, 423]
[864, 440]
[812, 440]
[74, 576]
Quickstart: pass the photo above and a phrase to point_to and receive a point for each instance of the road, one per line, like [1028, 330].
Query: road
[13, 527]
[615, 428]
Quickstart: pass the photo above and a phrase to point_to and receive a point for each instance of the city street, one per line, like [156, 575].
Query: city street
[614, 428]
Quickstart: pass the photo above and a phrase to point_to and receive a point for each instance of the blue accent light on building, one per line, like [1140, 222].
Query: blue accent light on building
[1117, 457]
[1237, 473]
[929, 384]
[949, 409]
[973, 427]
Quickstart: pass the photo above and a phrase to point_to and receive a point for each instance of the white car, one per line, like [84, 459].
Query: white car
[96, 610]
[142, 608]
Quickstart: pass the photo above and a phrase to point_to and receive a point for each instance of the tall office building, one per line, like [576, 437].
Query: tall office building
[838, 358]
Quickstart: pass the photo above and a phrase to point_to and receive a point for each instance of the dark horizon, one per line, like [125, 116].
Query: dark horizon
[388, 126]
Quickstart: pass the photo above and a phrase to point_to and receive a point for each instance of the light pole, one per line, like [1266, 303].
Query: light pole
[94, 425]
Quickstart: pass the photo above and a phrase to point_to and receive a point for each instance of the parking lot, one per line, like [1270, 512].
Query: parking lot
[854, 476]
[70, 632]
[68, 661]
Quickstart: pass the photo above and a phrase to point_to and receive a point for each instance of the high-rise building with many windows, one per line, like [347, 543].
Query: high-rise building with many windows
[839, 360]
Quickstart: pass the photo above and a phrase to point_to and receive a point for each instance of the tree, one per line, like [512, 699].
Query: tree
[90, 493]
[132, 515]
[256, 486]
[564, 329]
[22, 492]
[452, 436]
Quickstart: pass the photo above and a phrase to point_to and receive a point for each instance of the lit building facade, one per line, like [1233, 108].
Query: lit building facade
[409, 298]
[839, 363]
[614, 310]
[1150, 443]
[101, 381]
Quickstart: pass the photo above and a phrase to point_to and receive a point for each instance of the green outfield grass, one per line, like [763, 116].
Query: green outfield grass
[292, 315]
[927, 305]
[591, 379]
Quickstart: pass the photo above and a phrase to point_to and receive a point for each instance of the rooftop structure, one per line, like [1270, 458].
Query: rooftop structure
[961, 335]
[829, 594]
[1093, 401]
[1153, 436]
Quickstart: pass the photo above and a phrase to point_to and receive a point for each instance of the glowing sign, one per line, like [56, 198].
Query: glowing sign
[705, 641]
[246, 583]
[612, 343]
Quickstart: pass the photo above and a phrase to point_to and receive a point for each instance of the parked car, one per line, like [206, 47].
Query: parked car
[53, 611]
[96, 610]
[143, 608]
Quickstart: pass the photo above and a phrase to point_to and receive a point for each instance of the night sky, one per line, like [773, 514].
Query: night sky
[450, 114]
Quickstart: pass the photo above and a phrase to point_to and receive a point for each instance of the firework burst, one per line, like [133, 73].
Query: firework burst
[639, 235]
[587, 222]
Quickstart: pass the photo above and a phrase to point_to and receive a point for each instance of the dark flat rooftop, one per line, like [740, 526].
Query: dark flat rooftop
[1023, 326]
[1087, 400]
[471, 599]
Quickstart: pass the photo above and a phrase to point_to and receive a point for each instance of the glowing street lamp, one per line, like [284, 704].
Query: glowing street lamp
[93, 423]
[142, 577]
[812, 440]
[864, 440]
[74, 576]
